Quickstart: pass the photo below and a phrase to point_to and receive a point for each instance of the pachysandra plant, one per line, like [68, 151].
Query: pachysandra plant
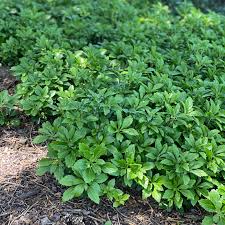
[214, 204]
[131, 95]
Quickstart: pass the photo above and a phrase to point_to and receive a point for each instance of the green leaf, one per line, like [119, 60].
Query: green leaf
[119, 137]
[168, 194]
[186, 179]
[78, 190]
[59, 172]
[148, 165]
[45, 162]
[188, 105]
[40, 139]
[111, 183]
[85, 150]
[221, 220]
[73, 192]
[127, 122]
[208, 220]
[207, 205]
[130, 131]
[101, 178]
[146, 193]
[188, 194]
[70, 180]
[167, 162]
[178, 200]
[199, 173]
[68, 194]
[80, 165]
[94, 192]
[109, 168]
[108, 222]
[119, 117]
[70, 160]
[42, 170]
[99, 151]
[215, 198]
[88, 175]
[156, 195]
[96, 168]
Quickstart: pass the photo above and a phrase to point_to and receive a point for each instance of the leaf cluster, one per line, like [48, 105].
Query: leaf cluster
[132, 96]
[8, 110]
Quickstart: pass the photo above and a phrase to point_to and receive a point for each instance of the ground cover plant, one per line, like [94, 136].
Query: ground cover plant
[8, 109]
[130, 96]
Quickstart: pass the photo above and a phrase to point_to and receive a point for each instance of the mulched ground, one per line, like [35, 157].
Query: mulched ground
[7, 81]
[26, 199]
[16, 151]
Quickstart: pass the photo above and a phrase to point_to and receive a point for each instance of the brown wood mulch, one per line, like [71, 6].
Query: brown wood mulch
[7, 81]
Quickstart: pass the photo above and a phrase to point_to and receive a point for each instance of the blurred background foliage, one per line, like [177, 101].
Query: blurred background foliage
[205, 5]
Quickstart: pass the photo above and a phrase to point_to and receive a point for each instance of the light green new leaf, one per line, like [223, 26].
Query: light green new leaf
[199, 173]
[156, 195]
[130, 131]
[207, 205]
[208, 220]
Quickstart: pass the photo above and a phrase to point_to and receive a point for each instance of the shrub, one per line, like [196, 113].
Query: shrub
[134, 100]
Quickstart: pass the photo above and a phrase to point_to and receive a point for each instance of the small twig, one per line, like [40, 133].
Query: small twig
[95, 219]
[15, 184]
[120, 213]
[4, 214]
[30, 135]
[115, 209]
[118, 219]
[41, 185]
[81, 211]
[108, 216]
[23, 213]
[13, 195]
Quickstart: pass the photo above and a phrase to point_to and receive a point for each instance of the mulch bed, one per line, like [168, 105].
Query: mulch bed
[26, 199]
[7, 81]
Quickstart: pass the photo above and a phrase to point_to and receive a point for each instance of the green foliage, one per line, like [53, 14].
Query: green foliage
[132, 96]
[108, 222]
[7, 109]
[214, 203]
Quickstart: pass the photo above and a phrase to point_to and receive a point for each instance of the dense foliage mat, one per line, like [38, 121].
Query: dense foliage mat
[132, 96]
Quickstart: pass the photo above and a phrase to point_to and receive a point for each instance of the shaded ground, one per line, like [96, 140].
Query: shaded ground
[26, 199]
[7, 81]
